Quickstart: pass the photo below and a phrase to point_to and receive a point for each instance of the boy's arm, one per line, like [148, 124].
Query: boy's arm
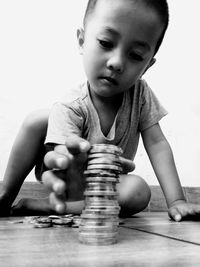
[162, 160]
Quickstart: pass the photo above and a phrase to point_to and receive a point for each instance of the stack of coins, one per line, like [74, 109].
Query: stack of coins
[100, 217]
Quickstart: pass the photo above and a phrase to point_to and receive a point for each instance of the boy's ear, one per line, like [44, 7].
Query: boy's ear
[80, 38]
[151, 63]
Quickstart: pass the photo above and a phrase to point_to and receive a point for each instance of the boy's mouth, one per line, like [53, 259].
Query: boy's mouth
[110, 80]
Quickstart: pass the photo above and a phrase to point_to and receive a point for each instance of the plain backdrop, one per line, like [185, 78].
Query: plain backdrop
[40, 61]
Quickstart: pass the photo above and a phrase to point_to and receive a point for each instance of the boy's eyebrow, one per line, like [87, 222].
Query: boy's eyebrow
[137, 42]
[112, 31]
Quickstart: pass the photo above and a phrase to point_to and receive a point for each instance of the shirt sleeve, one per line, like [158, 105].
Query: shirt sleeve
[63, 122]
[151, 109]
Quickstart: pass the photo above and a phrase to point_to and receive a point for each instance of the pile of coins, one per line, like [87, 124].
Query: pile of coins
[100, 217]
[67, 220]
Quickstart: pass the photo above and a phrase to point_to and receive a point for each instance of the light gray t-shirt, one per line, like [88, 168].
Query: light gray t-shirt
[140, 109]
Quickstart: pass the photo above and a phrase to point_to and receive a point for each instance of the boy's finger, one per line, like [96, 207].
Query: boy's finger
[174, 214]
[61, 149]
[54, 183]
[127, 165]
[76, 144]
[57, 203]
[55, 160]
[197, 209]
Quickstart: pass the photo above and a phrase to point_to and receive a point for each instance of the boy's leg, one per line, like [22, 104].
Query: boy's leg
[28, 206]
[134, 194]
[23, 156]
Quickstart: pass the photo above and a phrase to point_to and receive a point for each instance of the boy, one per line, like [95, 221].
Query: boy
[118, 43]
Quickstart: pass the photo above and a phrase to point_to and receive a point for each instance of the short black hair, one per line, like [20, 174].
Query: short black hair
[160, 6]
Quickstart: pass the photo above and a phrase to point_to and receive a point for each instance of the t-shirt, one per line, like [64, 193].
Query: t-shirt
[139, 110]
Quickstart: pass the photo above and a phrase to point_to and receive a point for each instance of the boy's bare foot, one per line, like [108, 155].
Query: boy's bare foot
[4, 207]
[31, 207]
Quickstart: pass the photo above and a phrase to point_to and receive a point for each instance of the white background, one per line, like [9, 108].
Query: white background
[39, 61]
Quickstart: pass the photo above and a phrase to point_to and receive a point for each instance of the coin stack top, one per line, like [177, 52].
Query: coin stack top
[99, 219]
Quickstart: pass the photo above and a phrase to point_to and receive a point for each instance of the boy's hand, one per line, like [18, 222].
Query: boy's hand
[182, 210]
[127, 165]
[65, 175]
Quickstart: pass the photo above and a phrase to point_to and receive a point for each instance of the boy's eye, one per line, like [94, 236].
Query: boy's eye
[135, 56]
[106, 44]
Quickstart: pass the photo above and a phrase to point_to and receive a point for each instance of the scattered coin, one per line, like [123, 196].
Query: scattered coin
[43, 220]
[68, 215]
[62, 221]
[54, 217]
[42, 225]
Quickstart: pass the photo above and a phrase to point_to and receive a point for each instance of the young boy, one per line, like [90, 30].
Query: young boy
[118, 43]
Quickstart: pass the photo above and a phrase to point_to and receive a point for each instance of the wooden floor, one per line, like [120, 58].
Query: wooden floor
[148, 239]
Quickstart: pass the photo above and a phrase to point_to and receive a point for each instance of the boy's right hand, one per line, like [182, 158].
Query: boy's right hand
[65, 175]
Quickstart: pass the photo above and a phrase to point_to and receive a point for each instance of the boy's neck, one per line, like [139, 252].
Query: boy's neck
[106, 108]
[109, 103]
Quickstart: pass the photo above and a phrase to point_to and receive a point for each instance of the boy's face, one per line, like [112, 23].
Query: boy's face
[118, 44]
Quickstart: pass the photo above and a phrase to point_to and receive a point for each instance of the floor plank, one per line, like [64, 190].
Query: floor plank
[160, 224]
[23, 245]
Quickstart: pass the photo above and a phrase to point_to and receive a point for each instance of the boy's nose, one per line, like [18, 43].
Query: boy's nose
[116, 62]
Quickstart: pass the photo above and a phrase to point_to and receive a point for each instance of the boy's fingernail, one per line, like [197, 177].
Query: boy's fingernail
[177, 217]
[84, 146]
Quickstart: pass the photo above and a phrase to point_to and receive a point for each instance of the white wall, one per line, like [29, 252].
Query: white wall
[39, 60]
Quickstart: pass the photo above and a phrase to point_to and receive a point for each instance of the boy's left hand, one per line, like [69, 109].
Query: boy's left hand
[181, 210]
[127, 165]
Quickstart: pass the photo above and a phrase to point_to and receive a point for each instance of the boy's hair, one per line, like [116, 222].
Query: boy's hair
[160, 6]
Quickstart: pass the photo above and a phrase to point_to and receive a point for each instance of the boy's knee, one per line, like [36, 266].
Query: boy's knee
[134, 195]
[35, 123]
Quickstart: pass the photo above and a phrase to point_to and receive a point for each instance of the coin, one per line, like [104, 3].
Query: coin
[101, 186]
[103, 155]
[31, 219]
[110, 167]
[76, 221]
[42, 225]
[100, 173]
[100, 193]
[103, 207]
[53, 217]
[43, 220]
[98, 216]
[68, 215]
[106, 148]
[97, 242]
[101, 199]
[102, 179]
[62, 221]
[104, 161]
